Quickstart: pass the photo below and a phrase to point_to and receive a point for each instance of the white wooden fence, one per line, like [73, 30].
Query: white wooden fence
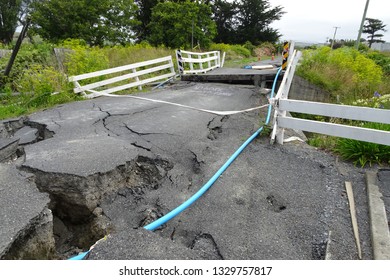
[124, 77]
[283, 105]
[194, 63]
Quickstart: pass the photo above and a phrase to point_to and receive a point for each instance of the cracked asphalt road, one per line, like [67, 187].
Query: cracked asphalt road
[118, 163]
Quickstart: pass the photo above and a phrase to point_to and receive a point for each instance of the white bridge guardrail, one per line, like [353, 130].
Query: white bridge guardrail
[283, 105]
[159, 66]
[196, 61]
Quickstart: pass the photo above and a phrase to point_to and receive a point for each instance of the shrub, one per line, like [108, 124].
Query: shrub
[382, 60]
[220, 47]
[240, 50]
[249, 46]
[344, 72]
[37, 80]
[84, 59]
[28, 54]
[232, 51]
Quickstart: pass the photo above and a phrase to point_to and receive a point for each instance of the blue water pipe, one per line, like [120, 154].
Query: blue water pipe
[167, 217]
[79, 257]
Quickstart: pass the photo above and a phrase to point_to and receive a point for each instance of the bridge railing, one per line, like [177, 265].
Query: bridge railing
[123, 77]
[194, 63]
[283, 105]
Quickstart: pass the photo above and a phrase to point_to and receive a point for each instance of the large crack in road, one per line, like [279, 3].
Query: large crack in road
[110, 166]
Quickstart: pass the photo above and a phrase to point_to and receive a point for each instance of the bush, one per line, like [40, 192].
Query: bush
[232, 51]
[382, 60]
[37, 80]
[240, 50]
[249, 46]
[220, 47]
[344, 72]
[28, 55]
[84, 59]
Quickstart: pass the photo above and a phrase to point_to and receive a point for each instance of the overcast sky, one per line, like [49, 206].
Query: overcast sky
[314, 20]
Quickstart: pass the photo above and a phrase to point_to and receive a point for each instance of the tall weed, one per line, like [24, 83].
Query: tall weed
[362, 153]
[84, 59]
[122, 55]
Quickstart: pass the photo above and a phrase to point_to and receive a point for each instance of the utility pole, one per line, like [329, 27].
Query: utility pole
[361, 25]
[334, 35]
[17, 47]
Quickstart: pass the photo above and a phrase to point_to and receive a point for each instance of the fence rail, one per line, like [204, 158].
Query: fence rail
[338, 130]
[336, 111]
[161, 68]
[197, 62]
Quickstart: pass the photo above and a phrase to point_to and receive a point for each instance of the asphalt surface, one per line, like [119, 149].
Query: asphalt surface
[21, 204]
[117, 164]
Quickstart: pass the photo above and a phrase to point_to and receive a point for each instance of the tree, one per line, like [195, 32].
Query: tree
[255, 17]
[144, 15]
[25, 9]
[95, 21]
[372, 27]
[12, 14]
[9, 10]
[174, 23]
[224, 15]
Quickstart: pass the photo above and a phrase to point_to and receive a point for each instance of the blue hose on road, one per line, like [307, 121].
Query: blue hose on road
[79, 257]
[272, 96]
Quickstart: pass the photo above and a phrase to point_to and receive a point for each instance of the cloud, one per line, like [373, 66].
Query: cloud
[313, 21]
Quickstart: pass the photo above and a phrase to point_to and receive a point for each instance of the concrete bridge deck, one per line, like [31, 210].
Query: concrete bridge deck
[239, 75]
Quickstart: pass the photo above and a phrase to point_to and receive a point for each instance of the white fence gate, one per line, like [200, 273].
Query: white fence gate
[197, 62]
[283, 105]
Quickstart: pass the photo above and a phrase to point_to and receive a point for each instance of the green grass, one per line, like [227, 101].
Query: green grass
[23, 104]
[359, 152]
[362, 153]
[323, 142]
